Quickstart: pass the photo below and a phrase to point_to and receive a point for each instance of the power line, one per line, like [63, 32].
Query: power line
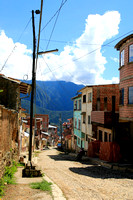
[54, 15]
[76, 59]
[73, 43]
[54, 25]
[15, 46]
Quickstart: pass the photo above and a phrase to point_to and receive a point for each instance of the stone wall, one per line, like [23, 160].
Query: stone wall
[8, 137]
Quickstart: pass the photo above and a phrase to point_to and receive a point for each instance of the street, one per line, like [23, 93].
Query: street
[83, 180]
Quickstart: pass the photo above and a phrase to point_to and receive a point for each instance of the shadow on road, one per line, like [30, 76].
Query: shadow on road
[62, 156]
[101, 172]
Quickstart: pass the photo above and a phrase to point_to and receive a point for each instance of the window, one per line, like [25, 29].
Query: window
[105, 103]
[131, 53]
[122, 96]
[100, 135]
[122, 58]
[84, 98]
[86, 137]
[75, 105]
[90, 97]
[130, 95]
[110, 138]
[80, 104]
[89, 119]
[84, 119]
[98, 104]
[105, 137]
[79, 124]
[75, 123]
[78, 141]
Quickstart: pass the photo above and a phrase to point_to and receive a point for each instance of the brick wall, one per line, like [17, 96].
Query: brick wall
[126, 81]
[105, 91]
[8, 137]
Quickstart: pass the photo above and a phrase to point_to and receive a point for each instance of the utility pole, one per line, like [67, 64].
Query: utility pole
[60, 129]
[33, 87]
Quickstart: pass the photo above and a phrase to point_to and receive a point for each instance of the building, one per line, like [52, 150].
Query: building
[10, 119]
[125, 47]
[99, 105]
[105, 112]
[78, 140]
[45, 121]
[86, 108]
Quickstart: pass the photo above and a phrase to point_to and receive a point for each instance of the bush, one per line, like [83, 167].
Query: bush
[8, 177]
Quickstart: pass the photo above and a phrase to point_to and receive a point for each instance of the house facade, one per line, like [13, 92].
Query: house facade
[10, 119]
[105, 112]
[86, 104]
[78, 136]
[125, 48]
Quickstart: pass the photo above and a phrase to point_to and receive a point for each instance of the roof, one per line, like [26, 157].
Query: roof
[50, 126]
[45, 133]
[92, 86]
[121, 42]
[24, 87]
[77, 96]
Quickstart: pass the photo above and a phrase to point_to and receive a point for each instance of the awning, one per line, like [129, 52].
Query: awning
[44, 139]
[26, 134]
[45, 133]
[50, 126]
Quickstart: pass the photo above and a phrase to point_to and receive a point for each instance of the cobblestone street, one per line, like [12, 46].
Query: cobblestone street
[77, 180]
[84, 180]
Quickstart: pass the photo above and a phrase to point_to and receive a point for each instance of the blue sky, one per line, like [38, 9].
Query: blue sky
[82, 27]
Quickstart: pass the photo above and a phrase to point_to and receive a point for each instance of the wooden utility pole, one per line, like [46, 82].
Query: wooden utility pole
[33, 87]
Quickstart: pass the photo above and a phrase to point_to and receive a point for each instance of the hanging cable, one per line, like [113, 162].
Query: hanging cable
[53, 16]
[15, 46]
[76, 59]
[54, 25]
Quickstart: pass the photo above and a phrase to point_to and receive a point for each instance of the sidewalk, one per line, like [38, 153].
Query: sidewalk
[115, 166]
[56, 191]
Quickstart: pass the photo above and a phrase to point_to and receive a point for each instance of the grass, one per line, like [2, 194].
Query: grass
[8, 177]
[44, 185]
[36, 153]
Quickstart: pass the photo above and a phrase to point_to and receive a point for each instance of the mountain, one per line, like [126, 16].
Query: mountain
[53, 98]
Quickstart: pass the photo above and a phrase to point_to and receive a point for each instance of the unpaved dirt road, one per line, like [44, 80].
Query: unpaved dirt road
[84, 181]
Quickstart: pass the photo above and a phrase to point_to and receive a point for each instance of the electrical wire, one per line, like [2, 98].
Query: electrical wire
[73, 43]
[54, 25]
[76, 59]
[53, 15]
[15, 46]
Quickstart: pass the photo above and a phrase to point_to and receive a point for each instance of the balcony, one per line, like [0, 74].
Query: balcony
[103, 117]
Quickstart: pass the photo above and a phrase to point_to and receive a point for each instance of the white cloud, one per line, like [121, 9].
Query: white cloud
[115, 60]
[75, 63]
[15, 58]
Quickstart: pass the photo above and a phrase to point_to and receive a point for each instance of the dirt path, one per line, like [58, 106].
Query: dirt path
[22, 190]
[84, 181]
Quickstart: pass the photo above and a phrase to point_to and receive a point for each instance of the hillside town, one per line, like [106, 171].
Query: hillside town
[101, 125]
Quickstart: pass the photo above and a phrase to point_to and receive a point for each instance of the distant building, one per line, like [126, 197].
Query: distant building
[78, 138]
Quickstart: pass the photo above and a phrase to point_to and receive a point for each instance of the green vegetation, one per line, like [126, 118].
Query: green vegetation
[44, 185]
[35, 154]
[8, 177]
